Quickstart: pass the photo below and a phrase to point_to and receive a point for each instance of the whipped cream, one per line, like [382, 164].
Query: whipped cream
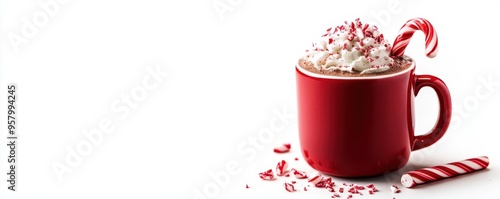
[352, 47]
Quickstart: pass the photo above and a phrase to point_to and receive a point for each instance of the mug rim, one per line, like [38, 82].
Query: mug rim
[321, 76]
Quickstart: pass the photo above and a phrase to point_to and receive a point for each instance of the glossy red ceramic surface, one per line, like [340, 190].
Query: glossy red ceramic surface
[361, 127]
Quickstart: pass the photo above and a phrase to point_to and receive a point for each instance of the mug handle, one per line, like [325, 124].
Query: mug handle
[444, 117]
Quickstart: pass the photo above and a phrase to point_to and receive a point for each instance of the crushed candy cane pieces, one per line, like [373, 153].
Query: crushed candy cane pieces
[283, 148]
[289, 187]
[267, 175]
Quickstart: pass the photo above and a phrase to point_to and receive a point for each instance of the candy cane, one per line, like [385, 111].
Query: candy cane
[406, 32]
[439, 172]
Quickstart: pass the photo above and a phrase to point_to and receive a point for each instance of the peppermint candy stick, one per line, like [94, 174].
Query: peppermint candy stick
[431, 174]
[406, 32]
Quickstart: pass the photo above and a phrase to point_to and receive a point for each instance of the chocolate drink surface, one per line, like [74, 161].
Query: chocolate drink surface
[399, 64]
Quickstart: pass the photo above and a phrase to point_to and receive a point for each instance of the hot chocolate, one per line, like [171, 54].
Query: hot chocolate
[399, 64]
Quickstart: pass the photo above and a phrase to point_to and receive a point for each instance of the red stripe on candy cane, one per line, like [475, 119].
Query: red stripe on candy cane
[462, 166]
[446, 170]
[407, 31]
[439, 172]
[420, 177]
[472, 164]
[430, 175]
[481, 161]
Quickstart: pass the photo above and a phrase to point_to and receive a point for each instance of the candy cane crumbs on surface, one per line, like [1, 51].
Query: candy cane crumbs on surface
[283, 148]
[320, 185]
[359, 187]
[267, 175]
[438, 172]
[320, 181]
[329, 184]
[247, 186]
[372, 188]
[326, 182]
[406, 32]
[289, 187]
[395, 189]
[353, 190]
[281, 168]
[299, 174]
[315, 178]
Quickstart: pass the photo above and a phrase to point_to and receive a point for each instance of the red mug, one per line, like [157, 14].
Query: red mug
[364, 126]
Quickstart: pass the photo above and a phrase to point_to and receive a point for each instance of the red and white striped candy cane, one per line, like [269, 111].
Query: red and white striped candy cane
[439, 172]
[406, 32]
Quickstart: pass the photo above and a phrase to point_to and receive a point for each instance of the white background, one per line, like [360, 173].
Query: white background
[229, 73]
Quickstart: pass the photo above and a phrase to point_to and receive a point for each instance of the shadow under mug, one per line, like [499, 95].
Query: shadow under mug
[364, 126]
